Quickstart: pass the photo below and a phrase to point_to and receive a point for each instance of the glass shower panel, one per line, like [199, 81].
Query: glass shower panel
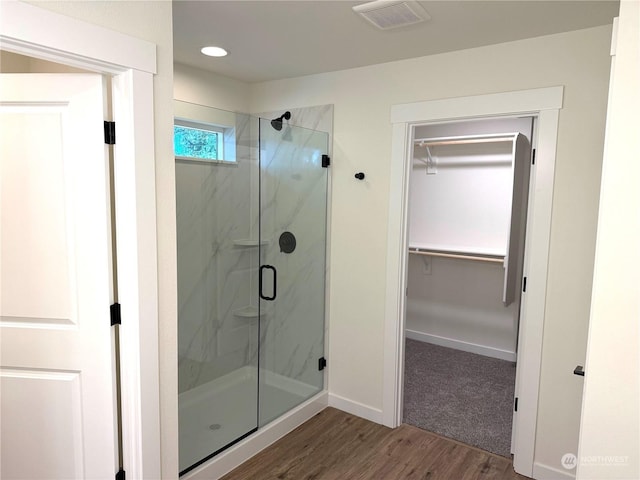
[218, 254]
[293, 201]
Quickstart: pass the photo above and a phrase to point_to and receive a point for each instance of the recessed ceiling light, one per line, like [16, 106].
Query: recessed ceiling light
[214, 51]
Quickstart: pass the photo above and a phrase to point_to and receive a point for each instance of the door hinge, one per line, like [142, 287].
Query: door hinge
[322, 363]
[326, 161]
[120, 475]
[116, 318]
[533, 157]
[515, 405]
[109, 132]
[524, 284]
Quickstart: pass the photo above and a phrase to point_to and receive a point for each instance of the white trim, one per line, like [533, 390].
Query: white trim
[33, 31]
[532, 306]
[544, 103]
[226, 461]
[355, 408]
[39, 33]
[460, 345]
[509, 103]
[614, 37]
[135, 200]
[545, 472]
[393, 376]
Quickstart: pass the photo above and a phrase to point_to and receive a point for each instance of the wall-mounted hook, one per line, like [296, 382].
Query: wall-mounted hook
[359, 176]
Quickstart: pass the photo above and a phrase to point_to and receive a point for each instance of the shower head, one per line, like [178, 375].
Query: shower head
[277, 122]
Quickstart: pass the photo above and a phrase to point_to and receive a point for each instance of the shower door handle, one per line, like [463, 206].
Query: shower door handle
[275, 278]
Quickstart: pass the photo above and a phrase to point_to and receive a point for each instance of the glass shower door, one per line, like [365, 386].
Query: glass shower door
[293, 218]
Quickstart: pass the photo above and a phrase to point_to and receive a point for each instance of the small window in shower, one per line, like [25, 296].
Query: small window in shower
[199, 142]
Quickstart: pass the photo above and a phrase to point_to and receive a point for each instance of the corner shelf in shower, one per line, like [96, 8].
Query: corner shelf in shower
[246, 312]
[249, 242]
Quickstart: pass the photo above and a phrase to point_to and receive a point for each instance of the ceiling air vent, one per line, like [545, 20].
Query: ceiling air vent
[386, 14]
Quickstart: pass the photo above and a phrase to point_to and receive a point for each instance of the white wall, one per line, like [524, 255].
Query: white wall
[206, 88]
[362, 142]
[610, 427]
[152, 21]
[14, 63]
[466, 202]
[459, 305]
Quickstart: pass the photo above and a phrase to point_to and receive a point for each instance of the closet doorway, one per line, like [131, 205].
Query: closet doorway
[544, 105]
[467, 210]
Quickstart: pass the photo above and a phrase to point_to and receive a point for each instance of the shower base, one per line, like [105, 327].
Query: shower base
[218, 413]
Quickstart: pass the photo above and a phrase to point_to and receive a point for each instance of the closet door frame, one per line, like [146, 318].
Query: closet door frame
[544, 104]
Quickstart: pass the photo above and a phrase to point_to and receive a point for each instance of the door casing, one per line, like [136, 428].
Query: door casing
[131, 64]
[544, 104]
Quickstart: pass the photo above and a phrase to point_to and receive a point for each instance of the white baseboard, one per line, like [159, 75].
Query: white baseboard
[460, 345]
[545, 472]
[247, 448]
[355, 408]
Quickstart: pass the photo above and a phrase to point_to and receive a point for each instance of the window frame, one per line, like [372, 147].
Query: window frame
[221, 132]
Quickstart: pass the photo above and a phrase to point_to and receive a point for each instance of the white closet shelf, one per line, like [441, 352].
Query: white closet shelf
[249, 242]
[462, 255]
[466, 139]
[247, 312]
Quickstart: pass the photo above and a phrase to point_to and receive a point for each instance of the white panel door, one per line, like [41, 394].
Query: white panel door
[57, 406]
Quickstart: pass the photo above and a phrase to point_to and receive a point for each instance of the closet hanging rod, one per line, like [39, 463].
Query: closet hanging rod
[461, 256]
[466, 139]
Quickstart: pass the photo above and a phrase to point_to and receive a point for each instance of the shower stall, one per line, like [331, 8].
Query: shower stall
[251, 221]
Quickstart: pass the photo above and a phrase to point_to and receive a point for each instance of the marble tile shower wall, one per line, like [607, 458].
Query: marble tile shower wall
[215, 209]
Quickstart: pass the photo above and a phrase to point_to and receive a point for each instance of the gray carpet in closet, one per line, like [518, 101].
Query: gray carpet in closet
[459, 395]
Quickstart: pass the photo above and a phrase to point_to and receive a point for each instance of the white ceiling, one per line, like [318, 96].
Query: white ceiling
[274, 39]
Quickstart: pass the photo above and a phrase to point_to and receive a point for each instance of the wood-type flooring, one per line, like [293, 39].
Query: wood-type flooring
[335, 445]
